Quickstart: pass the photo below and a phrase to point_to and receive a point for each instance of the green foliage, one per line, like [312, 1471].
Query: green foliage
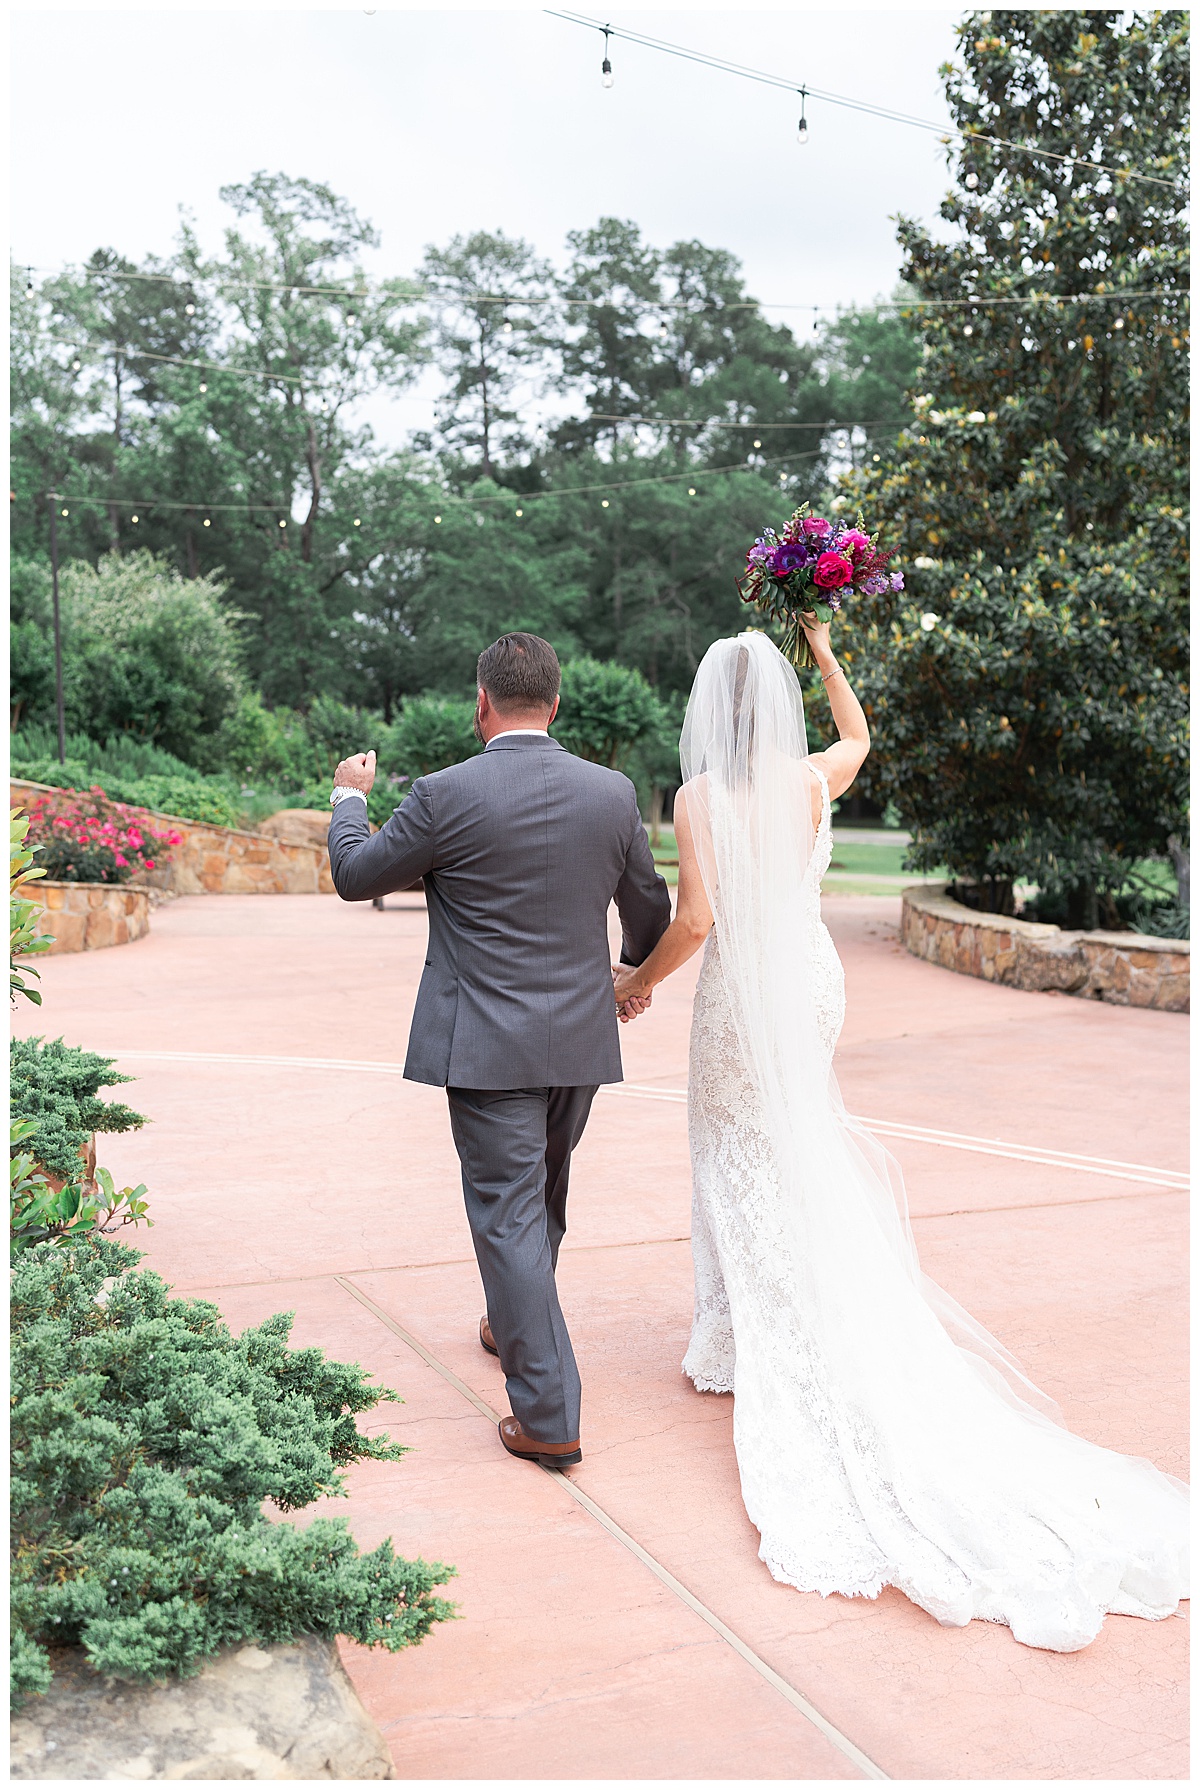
[215, 802]
[23, 940]
[55, 1086]
[39, 1212]
[605, 711]
[401, 566]
[1036, 726]
[430, 733]
[145, 652]
[145, 1440]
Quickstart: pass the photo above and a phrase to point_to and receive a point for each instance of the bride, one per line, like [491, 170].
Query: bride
[883, 1437]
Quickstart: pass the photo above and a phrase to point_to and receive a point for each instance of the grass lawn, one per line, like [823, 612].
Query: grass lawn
[859, 864]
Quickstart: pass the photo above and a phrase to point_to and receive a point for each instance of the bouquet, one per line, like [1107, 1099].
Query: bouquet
[808, 569]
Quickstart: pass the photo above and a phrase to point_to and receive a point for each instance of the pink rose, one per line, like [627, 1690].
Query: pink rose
[853, 541]
[149, 863]
[120, 860]
[816, 525]
[832, 571]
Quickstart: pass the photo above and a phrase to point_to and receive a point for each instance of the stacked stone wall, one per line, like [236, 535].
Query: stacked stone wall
[220, 860]
[1127, 969]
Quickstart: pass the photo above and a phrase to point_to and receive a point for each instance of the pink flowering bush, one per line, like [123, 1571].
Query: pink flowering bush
[83, 837]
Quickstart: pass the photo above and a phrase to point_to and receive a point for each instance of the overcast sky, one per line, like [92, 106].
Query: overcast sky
[434, 122]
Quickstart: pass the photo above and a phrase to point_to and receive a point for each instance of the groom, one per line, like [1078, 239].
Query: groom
[522, 848]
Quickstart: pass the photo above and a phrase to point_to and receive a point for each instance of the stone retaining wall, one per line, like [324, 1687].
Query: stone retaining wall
[221, 860]
[1128, 969]
[89, 916]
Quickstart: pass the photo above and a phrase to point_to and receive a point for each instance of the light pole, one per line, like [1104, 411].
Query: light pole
[58, 677]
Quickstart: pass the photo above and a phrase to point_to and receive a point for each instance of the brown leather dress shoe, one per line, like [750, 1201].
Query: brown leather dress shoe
[487, 1339]
[546, 1454]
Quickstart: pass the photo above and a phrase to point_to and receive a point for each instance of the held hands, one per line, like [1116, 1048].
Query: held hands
[356, 773]
[631, 995]
[818, 636]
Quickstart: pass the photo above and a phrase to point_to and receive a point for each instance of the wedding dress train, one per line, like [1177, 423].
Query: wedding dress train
[882, 1436]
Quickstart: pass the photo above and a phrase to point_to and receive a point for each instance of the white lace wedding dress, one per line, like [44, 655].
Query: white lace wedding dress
[882, 1436]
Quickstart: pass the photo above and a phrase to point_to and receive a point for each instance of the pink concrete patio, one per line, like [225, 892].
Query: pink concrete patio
[631, 1632]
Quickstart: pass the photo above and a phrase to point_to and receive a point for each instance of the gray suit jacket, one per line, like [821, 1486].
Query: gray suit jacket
[522, 849]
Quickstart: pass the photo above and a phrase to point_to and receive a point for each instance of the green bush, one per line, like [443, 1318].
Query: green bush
[606, 710]
[120, 756]
[23, 914]
[145, 1439]
[39, 1211]
[215, 803]
[429, 734]
[56, 1086]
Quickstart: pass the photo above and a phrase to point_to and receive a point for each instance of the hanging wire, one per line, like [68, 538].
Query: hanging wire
[946, 132]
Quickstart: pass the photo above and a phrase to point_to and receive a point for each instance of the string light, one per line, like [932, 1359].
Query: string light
[604, 503]
[207, 522]
[358, 522]
[757, 443]
[1111, 215]
[65, 512]
[283, 524]
[802, 127]
[508, 329]
[518, 512]
[606, 73]
[351, 318]
[437, 518]
[691, 490]
[946, 133]
[75, 366]
[133, 518]
[189, 310]
[203, 387]
[967, 330]
[971, 180]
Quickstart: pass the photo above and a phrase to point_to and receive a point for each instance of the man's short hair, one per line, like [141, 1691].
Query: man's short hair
[520, 672]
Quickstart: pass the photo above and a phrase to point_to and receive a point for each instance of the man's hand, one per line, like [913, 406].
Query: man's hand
[356, 773]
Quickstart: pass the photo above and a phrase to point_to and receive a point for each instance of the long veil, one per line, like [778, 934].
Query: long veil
[956, 1462]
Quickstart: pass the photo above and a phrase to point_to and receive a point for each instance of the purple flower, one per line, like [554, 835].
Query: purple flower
[788, 557]
[759, 554]
[897, 580]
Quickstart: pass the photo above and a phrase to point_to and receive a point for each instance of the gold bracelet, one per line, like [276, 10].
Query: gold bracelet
[833, 673]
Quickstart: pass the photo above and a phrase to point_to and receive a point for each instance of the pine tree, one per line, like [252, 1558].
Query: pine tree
[1028, 690]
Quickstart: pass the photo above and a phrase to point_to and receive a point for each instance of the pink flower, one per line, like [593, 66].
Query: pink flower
[853, 541]
[149, 863]
[120, 860]
[832, 572]
[816, 525]
[175, 838]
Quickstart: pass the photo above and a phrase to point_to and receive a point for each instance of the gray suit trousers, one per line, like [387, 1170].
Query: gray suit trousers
[514, 1145]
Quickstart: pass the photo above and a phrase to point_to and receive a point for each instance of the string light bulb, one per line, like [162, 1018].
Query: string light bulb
[64, 512]
[508, 329]
[1111, 215]
[207, 522]
[351, 319]
[606, 73]
[802, 127]
[757, 443]
[604, 503]
[437, 518]
[968, 330]
[189, 310]
[1118, 323]
[203, 386]
[972, 180]
[75, 366]
[133, 518]
[358, 522]
[691, 490]
[663, 329]
[282, 524]
[518, 512]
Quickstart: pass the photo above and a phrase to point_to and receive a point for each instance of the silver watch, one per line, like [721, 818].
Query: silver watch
[342, 791]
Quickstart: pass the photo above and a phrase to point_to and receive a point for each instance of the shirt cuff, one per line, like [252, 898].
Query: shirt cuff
[342, 791]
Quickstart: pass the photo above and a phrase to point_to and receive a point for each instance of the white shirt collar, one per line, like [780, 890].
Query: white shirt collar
[509, 732]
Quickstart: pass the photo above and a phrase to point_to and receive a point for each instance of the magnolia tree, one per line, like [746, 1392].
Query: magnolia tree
[1028, 690]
